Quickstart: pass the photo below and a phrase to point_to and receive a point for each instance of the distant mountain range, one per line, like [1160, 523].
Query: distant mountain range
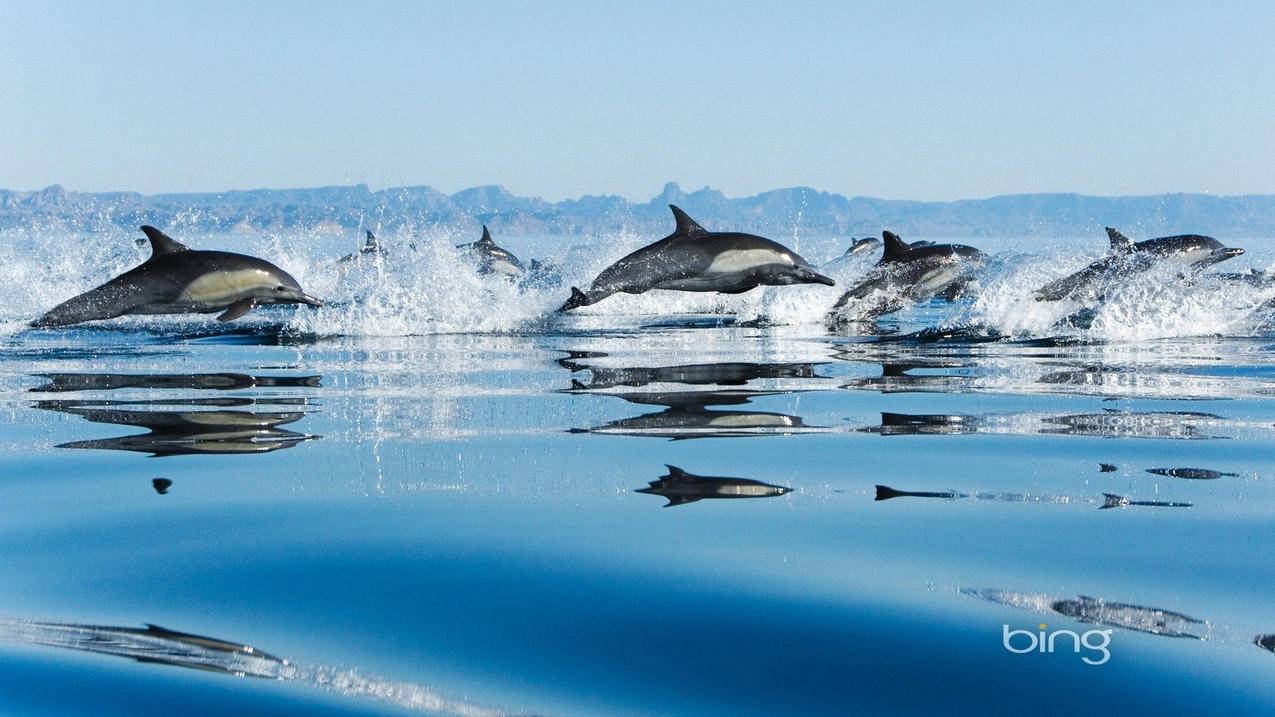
[777, 213]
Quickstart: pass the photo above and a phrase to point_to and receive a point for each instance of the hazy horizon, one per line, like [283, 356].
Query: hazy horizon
[930, 102]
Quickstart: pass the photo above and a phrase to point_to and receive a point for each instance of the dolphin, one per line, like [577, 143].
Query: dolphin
[1140, 618]
[63, 382]
[151, 644]
[859, 246]
[1192, 473]
[177, 280]
[491, 258]
[1190, 251]
[695, 259]
[906, 274]
[680, 487]
[1266, 642]
[1111, 500]
[371, 246]
[212, 430]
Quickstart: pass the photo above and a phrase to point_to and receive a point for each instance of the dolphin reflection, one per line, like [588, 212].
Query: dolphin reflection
[688, 415]
[1097, 611]
[1109, 500]
[61, 382]
[705, 374]
[158, 645]
[680, 487]
[212, 429]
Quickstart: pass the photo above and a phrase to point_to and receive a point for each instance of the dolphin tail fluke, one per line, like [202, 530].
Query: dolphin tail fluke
[885, 492]
[578, 299]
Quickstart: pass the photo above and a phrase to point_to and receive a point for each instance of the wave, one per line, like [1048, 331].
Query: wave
[425, 286]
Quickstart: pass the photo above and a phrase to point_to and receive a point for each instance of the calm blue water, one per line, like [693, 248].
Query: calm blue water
[449, 521]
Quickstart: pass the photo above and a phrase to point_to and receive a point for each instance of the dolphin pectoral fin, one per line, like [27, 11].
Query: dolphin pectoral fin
[674, 501]
[237, 309]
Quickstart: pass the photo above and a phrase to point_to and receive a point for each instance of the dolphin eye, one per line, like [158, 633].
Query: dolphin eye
[280, 288]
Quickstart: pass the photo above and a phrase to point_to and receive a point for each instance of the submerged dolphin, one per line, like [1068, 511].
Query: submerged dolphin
[680, 487]
[1190, 251]
[695, 259]
[180, 280]
[908, 273]
[493, 259]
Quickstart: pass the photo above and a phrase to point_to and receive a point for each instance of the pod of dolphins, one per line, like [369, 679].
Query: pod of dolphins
[177, 279]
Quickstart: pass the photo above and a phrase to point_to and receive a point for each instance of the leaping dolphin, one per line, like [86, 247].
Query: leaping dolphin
[907, 273]
[371, 246]
[695, 259]
[1190, 251]
[491, 258]
[178, 280]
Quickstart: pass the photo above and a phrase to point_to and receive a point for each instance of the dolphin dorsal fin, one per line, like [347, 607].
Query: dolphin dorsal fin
[893, 244]
[161, 243]
[686, 227]
[1120, 244]
[371, 244]
[487, 236]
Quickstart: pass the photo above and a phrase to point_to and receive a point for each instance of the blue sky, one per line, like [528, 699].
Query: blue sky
[922, 100]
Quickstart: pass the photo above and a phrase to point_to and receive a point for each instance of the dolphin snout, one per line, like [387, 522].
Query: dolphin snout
[1231, 251]
[815, 277]
[307, 299]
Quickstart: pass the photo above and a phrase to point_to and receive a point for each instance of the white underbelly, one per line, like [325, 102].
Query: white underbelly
[220, 288]
[743, 261]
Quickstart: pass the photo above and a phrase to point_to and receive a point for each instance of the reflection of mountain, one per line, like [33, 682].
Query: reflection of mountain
[60, 382]
[1154, 621]
[175, 432]
[150, 644]
[680, 487]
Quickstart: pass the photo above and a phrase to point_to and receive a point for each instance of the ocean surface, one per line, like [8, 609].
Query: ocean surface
[436, 495]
